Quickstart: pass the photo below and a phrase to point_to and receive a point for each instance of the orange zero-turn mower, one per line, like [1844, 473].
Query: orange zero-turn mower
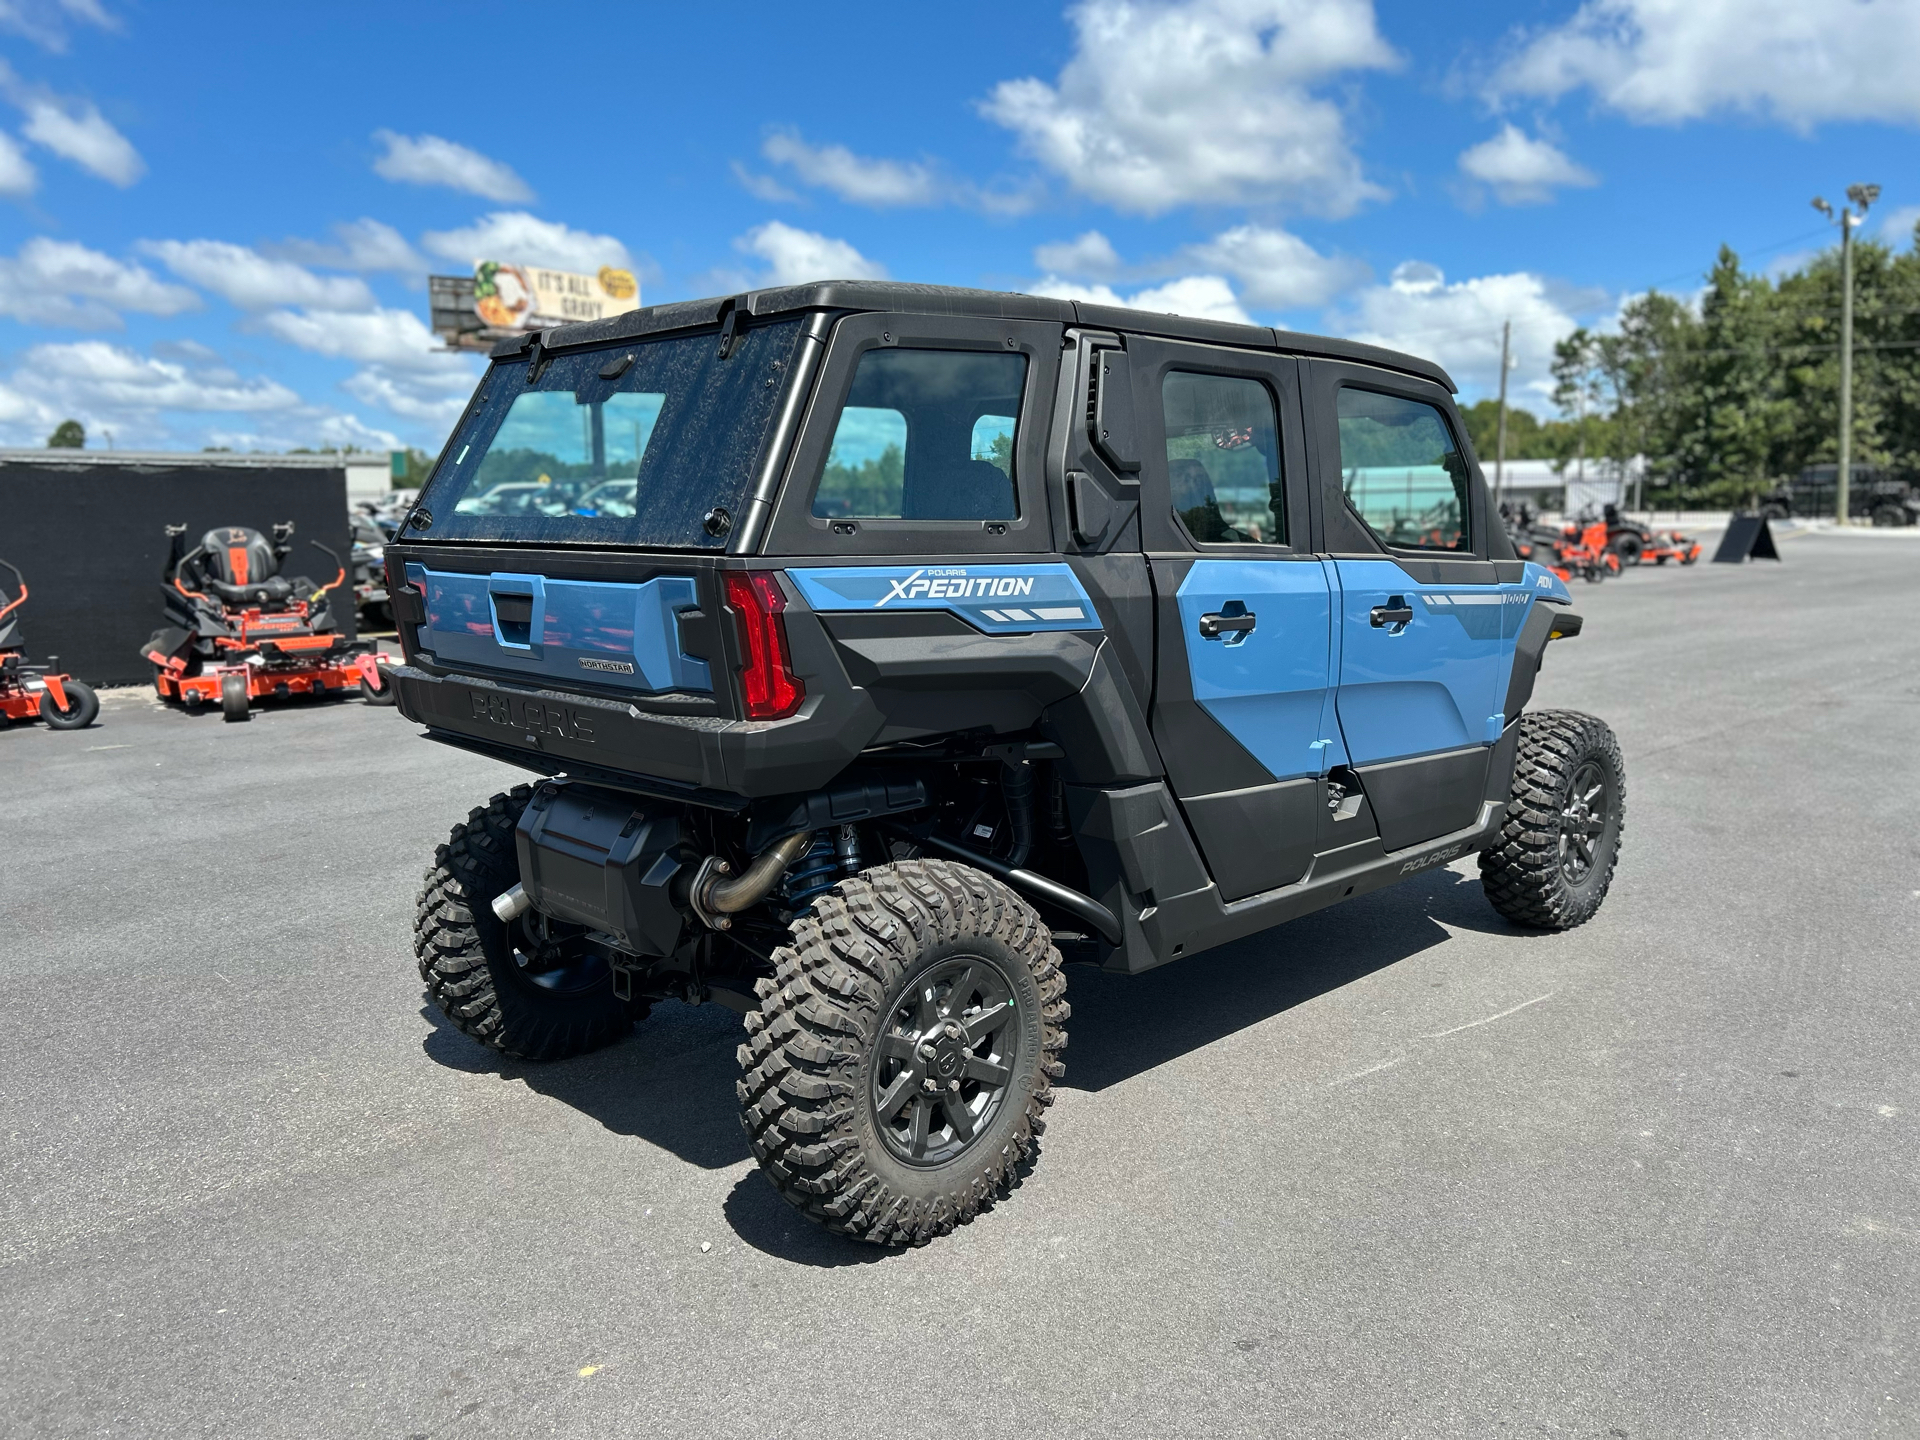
[238, 630]
[29, 690]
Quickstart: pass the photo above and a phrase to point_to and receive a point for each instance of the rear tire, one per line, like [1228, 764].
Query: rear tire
[1628, 547]
[1553, 861]
[83, 707]
[471, 961]
[235, 703]
[908, 989]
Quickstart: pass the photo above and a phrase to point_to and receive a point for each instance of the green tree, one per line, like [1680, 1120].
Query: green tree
[68, 435]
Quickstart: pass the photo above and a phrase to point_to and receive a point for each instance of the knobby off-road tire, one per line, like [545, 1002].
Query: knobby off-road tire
[921, 947]
[467, 954]
[1553, 861]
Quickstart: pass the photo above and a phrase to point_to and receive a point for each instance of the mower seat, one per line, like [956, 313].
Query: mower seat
[242, 568]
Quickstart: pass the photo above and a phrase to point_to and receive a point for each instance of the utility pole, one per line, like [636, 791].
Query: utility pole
[1861, 196]
[1500, 446]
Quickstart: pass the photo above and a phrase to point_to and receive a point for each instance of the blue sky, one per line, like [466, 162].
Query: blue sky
[218, 217]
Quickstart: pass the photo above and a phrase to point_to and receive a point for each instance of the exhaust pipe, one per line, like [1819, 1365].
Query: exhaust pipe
[715, 899]
[510, 905]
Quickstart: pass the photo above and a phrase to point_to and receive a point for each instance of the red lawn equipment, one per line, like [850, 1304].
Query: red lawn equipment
[29, 690]
[1634, 542]
[238, 630]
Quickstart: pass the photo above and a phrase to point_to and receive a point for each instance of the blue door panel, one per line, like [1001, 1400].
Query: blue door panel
[621, 635]
[1267, 686]
[1391, 715]
[1433, 684]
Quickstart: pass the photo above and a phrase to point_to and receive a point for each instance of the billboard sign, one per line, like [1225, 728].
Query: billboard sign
[530, 297]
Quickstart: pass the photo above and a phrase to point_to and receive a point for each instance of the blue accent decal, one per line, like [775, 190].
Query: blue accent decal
[999, 599]
[1266, 686]
[613, 634]
[1546, 585]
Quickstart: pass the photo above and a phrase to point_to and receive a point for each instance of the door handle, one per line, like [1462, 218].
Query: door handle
[1232, 620]
[1396, 612]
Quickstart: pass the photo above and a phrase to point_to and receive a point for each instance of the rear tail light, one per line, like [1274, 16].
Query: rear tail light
[767, 680]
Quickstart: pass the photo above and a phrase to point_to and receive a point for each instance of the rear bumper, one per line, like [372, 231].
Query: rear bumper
[549, 730]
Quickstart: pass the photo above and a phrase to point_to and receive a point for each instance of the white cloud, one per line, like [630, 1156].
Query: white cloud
[430, 160]
[1276, 270]
[1208, 102]
[45, 21]
[1522, 170]
[366, 245]
[518, 238]
[17, 175]
[397, 339]
[429, 400]
[763, 187]
[75, 130]
[858, 179]
[100, 382]
[59, 282]
[1207, 297]
[251, 281]
[1091, 254]
[1665, 61]
[1459, 324]
[1896, 226]
[795, 257]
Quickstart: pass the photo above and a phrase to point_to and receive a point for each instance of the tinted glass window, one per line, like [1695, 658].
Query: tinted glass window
[926, 435]
[1223, 459]
[1403, 472]
[603, 449]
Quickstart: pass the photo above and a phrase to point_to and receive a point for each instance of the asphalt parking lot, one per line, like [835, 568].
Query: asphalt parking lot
[1395, 1169]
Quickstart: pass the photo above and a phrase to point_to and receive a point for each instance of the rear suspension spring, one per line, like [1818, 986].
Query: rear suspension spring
[813, 874]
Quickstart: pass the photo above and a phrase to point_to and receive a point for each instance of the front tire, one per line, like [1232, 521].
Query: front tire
[235, 703]
[1628, 547]
[1553, 861]
[383, 696]
[83, 707]
[903, 1056]
[527, 989]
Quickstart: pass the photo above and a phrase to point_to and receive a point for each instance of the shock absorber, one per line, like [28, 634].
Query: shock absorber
[813, 874]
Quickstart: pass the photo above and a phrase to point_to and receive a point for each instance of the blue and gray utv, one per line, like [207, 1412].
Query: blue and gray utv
[878, 649]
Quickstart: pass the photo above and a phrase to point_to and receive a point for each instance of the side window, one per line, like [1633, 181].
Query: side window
[1403, 472]
[1223, 459]
[926, 435]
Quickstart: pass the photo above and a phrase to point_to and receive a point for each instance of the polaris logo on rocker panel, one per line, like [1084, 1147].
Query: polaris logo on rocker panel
[1425, 862]
[531, 717]
[618, 667]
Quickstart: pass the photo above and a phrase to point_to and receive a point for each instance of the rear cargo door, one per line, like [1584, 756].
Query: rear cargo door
[1242, 666]
[1426, 627]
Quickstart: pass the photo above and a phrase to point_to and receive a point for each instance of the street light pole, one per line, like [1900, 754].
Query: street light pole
[1851, 214]
[1843, 474]
[1500, 446]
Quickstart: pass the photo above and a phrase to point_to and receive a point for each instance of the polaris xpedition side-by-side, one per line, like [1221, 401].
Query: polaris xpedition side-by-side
[882, 647]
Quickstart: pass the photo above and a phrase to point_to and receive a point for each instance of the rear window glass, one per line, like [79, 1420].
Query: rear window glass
[1403, 472]
[631, 445]
[925, 435]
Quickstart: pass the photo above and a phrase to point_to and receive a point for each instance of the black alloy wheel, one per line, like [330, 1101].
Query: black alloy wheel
[945, 1061]
[1583, 821]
